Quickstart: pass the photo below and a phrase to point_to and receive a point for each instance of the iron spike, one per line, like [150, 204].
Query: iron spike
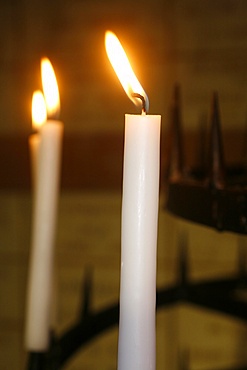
[216, 155]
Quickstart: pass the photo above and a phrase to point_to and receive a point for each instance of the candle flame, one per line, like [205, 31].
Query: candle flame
[39, 114]
[50, 88]
[124, 71]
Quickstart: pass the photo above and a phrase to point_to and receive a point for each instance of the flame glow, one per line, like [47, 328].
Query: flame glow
[123, 69]
[39, 114]
[50, 88]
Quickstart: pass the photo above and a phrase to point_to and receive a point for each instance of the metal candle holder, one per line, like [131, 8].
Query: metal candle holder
[221, 295]
[211, 196]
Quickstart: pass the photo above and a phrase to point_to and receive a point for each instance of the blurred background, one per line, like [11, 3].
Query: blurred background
[202, 45]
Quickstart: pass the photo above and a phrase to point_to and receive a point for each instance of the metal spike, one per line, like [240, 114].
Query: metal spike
[86, 294]
[182, 260]
[201, 148]
[36, 361]
[175, 166]
[242, 262]
[216, 155]
[184, 359]
[245, 146]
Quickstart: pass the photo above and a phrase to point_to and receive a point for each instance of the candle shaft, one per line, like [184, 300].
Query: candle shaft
[137, 342]
[34, 142]
[43, 236]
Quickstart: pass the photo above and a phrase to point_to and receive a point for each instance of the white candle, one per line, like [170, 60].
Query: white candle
[39, 117]
[137, 334]
[48, 156]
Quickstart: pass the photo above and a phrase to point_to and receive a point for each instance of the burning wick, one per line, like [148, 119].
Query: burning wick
[139, 96]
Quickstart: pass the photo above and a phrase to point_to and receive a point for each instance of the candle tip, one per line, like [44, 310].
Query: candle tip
[143, 101]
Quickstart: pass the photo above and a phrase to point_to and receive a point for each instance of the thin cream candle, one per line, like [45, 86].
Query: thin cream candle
[48, 158]
[140, 199]
[39, 117]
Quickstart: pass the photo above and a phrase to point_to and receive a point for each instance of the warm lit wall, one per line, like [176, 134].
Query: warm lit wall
[201, 45]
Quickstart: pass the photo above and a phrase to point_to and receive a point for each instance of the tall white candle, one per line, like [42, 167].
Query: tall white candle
[137, 334]
[137, 349]
[39, 117]
[48, 157]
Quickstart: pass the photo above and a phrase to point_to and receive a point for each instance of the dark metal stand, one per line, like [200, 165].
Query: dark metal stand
[214, 195]
[221, 295]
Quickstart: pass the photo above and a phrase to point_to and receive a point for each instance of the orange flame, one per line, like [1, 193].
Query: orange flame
[123, 69]
[39, 114]
[50, 88]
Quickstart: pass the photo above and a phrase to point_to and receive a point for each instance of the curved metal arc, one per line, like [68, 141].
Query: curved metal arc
[202, 294]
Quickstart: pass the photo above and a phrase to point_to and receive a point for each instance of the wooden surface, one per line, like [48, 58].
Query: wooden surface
[94, 161]
[90, 161]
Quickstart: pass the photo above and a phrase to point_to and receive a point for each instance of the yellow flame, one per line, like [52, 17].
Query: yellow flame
[39, 114]
[123, 69]
[50, 88]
